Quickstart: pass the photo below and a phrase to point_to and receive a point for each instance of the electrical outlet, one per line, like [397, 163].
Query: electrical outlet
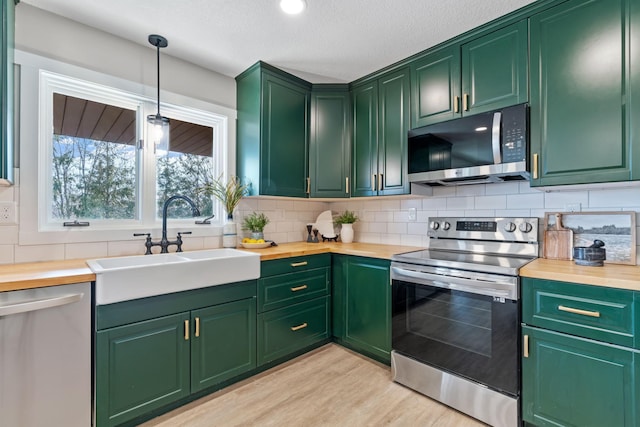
[573, 207]
[413, 214]
[7, 213]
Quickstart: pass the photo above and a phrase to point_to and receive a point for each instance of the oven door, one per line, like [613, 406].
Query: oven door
[465, 323]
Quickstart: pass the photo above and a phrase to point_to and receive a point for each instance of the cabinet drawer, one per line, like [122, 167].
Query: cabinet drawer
[285, 289]
[283, 331]
[294, 264]
[601, 313]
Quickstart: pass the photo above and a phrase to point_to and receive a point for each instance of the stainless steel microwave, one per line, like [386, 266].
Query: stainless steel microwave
[482, 148]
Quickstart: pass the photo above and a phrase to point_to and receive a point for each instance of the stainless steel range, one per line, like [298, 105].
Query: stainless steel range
[456, 314]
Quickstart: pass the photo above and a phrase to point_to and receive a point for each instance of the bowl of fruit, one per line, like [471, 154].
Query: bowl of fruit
[255, 243]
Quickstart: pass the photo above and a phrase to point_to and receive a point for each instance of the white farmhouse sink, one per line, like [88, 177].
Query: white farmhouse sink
[126, 278]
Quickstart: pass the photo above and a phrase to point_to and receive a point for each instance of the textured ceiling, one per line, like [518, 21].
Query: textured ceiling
[332, 41]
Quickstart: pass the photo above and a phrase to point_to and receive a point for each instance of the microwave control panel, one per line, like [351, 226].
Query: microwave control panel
[514, 134]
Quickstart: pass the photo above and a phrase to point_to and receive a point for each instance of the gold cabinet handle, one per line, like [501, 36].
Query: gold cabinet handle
[373, 183]
[456, 104]
[299, 264]
[578, 311]
[297, 328]
[308, 185]
[465, 102]
[197, 327]
[380, 182]
[347, 184]
[535, 166]
[299, 288]
[186, 330]
[525, 346]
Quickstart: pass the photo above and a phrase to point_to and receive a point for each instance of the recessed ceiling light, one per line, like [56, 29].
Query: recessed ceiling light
[293, 7]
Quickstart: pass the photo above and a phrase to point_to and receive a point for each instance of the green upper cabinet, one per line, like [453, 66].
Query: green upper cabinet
[330, 143]
[273, 131]
[6, 91]
[380, 126]
[634, 81]
[579, 120]
[483, 74]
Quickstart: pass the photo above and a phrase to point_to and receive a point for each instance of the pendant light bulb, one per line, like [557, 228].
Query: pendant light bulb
[293, 7]
[159, 125]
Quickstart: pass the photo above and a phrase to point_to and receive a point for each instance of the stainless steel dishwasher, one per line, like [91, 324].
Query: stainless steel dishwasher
[45, 356]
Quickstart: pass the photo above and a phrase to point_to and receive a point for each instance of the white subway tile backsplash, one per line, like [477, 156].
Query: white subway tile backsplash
[480, 213]
[558, 201]
[401, 216]
[471, 190]
[390, 205]
[411, 203]
[444, 191]
[502, 188]
[607, 199]
[383, 216]
[525, 201]
[460, 203]
[37, 253]
[434, 204]
[9, 235]
[86, 250]
[491, 202]
[6, 254]
[397, 228]
[417, 228]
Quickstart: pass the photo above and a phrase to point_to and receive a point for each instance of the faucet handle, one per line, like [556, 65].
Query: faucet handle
[179, 240]
[148, 244]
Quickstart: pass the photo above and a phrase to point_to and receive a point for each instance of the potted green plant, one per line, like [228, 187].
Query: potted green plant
[346, 220]
[255, 223]
[229, 194]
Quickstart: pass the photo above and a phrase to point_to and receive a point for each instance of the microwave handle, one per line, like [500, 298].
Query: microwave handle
[495, 138]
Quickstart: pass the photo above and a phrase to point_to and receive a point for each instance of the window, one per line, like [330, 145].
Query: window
[97, 168]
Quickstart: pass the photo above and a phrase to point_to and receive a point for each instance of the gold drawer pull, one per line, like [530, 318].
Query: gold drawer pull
[299, 288]
[297, 328]
[186, 330]
[525, 346]
[456, 104]
[299, 264]
[535, 166]
[578, 311]
[197, 326]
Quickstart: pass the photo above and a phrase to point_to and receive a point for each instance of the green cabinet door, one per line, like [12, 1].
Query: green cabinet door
[578, 89]
[284, 150]
[365, 139]
[393, 124]
[273, 128]
[330, 143]
[362, 305]
[141, 367]
[570, 381]
[494, 69]
[436, 87]
[223, 343]
[634, 80]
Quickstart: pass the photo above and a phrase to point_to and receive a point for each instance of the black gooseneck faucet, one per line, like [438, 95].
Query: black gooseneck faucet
[164, 243]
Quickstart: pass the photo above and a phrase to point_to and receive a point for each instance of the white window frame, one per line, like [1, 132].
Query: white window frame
[39, 78]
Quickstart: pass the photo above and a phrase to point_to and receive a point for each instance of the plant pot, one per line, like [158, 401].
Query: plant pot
[257, 235]
[229, 233]
[346, 233]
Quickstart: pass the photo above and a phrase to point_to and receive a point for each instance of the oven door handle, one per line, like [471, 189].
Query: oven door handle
[494, 289]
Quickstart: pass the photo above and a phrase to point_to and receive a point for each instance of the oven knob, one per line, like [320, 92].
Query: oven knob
[434, 225]
[510, 227]
[525, 227]
[446, 225]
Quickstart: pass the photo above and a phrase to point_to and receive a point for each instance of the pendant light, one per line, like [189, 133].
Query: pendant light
[159, 125]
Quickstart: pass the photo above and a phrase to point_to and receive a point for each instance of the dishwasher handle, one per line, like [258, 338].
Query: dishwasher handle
[500, 290]
[38, 304]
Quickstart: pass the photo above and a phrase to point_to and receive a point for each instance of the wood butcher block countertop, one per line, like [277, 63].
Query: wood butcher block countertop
[41, 274]
[610, 275]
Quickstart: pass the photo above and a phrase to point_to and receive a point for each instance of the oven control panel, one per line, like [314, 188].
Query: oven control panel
[492, 229]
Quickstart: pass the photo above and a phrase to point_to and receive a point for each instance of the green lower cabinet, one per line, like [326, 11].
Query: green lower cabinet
[571, 381]
[223, 345]
[287, 330]
[144, 366]
[362, 305]
[141, 367]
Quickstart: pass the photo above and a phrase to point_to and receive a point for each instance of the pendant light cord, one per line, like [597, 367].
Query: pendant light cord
[158, 61]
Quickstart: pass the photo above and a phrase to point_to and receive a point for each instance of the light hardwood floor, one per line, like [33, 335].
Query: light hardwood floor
[331, 386]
